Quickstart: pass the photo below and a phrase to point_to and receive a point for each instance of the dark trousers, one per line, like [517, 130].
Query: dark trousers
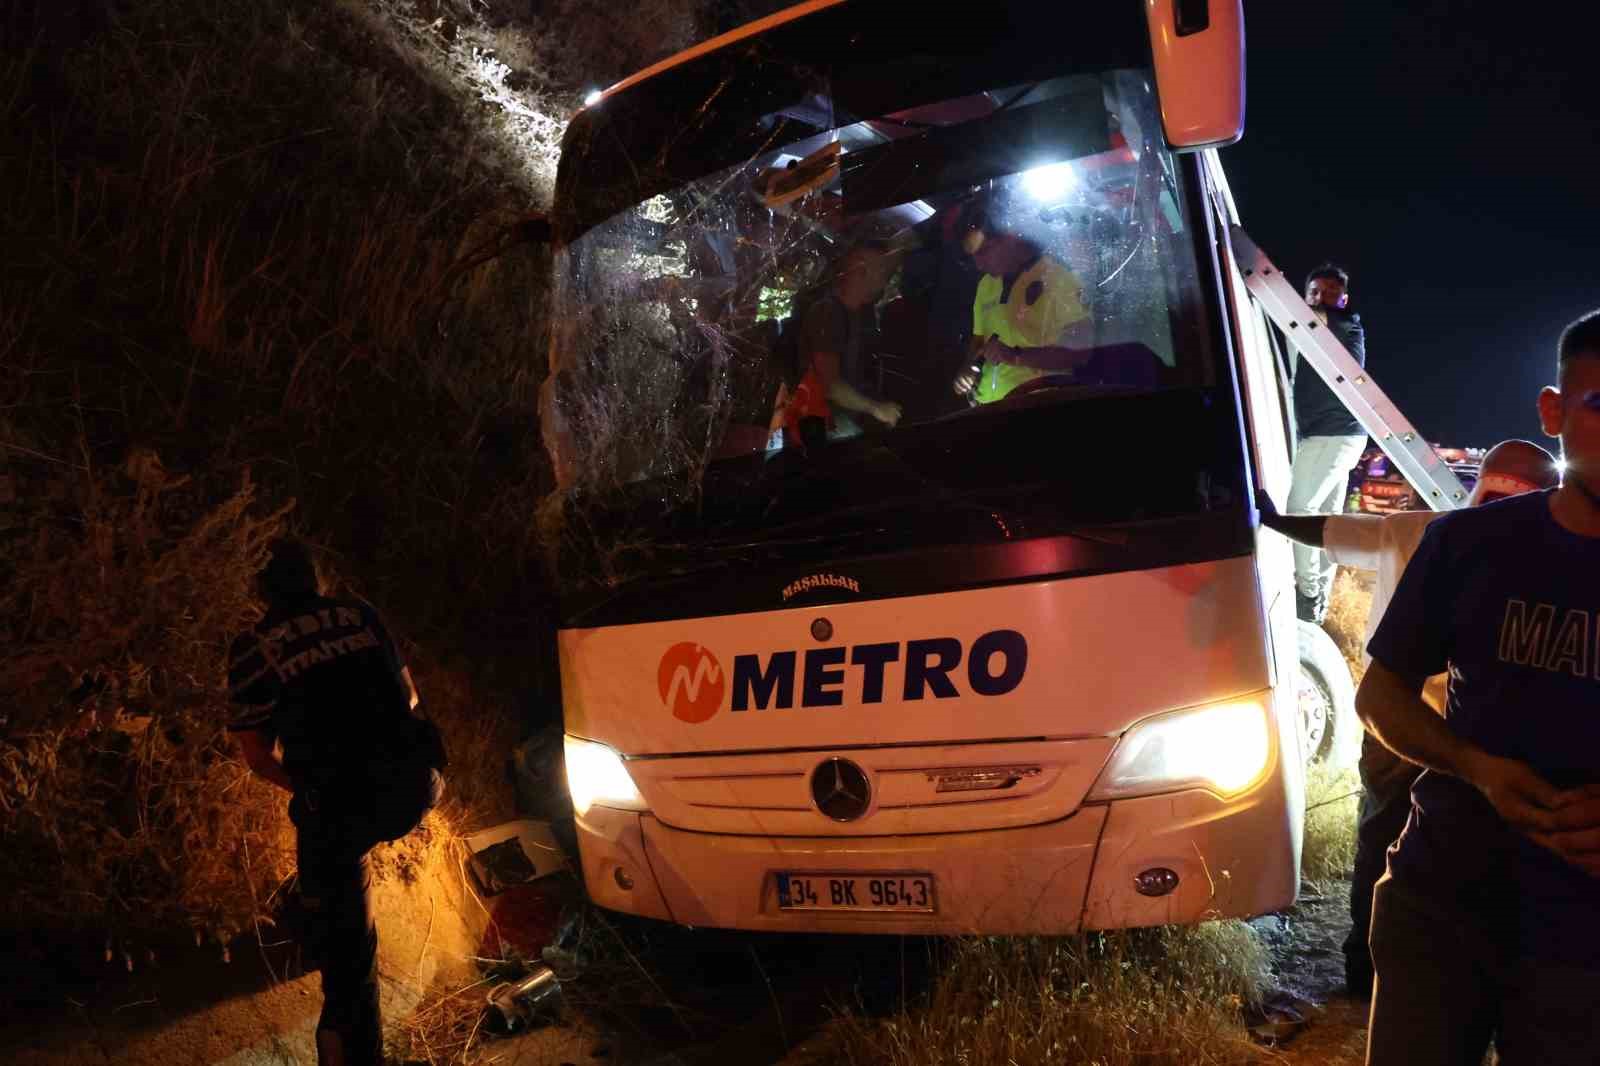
[337, 825]
[1447, 984]
[1386, 781]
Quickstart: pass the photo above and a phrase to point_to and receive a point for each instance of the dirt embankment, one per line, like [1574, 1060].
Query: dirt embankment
[242, 288]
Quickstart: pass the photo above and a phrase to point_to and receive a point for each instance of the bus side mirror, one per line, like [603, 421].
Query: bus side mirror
[1199, 57]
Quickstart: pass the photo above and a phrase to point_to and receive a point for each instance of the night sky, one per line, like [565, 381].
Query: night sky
[1446, 155]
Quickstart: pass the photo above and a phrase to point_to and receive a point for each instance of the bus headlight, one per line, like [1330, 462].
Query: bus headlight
[596, 777]
[1224, 747]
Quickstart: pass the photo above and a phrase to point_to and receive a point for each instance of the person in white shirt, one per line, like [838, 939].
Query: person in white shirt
[1384, 544]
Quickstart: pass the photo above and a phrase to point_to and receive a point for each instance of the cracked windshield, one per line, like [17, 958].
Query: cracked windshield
[807, 269]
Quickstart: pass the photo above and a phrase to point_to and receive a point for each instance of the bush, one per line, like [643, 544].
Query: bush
[119, 798]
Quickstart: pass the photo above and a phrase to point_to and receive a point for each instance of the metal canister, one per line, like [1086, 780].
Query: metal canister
[531, 1001]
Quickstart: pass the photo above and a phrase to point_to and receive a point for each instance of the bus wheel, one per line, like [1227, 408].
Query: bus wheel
[1330, 730]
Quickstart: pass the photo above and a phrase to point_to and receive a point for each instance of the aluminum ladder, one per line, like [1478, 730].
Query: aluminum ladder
[1413, 456]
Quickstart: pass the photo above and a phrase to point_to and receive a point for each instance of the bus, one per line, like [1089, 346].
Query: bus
[907, 407]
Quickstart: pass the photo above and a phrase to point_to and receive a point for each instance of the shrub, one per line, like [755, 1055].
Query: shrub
[120, 800]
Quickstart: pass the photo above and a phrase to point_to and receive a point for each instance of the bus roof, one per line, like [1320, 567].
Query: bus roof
[790, 14]
[783, 68]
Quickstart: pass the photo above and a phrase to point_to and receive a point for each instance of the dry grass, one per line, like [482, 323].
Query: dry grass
[447, 1028]
[230, 246]
[1328, 851]
[1148, 997]
[598, 45]
[1348, 605]
[1333, 798]
[118, 793]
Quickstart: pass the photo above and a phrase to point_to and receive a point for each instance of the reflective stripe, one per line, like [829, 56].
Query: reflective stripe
[1509, 484]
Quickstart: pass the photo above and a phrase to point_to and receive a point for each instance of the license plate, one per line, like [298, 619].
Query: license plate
[912, 893]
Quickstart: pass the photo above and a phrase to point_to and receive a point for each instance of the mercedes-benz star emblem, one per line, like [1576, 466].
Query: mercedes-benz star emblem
[841, 790]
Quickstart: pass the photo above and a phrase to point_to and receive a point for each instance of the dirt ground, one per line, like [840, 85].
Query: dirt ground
[193, 1008]
[1308, 964]
[740, 1022]
[734, 1000]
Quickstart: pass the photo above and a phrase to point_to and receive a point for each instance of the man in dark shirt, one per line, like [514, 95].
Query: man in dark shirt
[1330, 440]
[835, 327]
[1487, 924]
[1384, 544]
[321, 678]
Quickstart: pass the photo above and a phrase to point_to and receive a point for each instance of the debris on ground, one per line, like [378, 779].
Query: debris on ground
[523, 1004]
[514, 853]
[526, 919]
[1280, 1018]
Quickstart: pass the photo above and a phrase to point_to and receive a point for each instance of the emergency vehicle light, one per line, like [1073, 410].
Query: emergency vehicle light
[1050, 182]
[1224, 747]
[596, 777]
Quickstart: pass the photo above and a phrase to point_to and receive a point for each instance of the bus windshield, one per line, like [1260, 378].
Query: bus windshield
[877, 276]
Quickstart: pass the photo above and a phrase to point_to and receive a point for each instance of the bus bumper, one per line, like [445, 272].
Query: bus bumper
[1231, 858]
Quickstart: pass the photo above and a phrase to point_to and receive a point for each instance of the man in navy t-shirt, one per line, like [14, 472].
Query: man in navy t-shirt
[1487, 924]
[320, 680]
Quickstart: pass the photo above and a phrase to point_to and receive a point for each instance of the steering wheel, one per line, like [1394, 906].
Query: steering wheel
[1042, 382]
[1034, 384]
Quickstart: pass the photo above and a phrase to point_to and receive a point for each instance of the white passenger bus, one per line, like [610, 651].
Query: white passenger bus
[908, 409]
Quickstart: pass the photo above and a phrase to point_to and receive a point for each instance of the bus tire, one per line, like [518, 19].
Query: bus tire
[1330, 731]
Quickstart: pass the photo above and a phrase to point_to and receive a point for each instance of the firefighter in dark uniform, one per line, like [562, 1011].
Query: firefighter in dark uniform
[324, 708]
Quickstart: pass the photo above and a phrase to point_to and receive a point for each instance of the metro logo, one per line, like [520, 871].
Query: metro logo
[691, 682]
[995, 665]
